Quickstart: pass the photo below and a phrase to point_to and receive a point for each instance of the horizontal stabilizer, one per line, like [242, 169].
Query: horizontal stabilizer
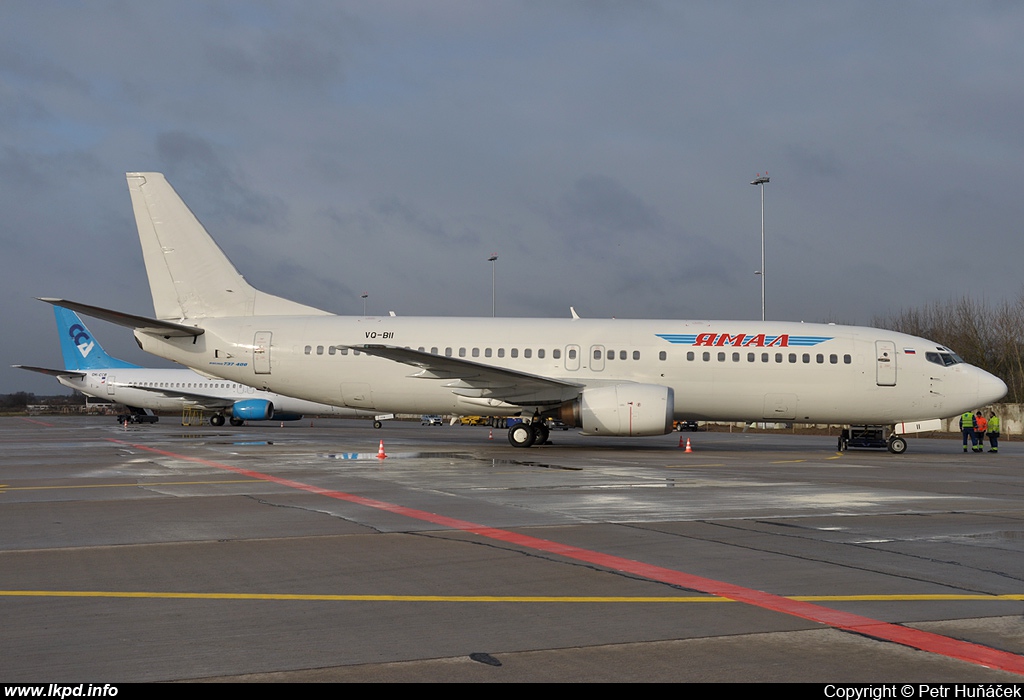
[52, 372]
[139, 323]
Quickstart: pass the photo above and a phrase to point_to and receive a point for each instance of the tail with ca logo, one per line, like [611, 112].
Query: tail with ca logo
[80, 350]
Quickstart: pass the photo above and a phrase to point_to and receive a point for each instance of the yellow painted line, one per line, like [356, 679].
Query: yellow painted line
[490, 598]
[788, 461]
[142, 483]
[689, 466]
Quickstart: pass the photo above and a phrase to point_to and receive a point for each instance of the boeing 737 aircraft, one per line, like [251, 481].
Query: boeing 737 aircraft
[607, 377]
[89, 369]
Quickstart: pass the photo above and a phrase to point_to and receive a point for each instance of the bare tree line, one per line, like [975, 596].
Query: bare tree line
[989, 337]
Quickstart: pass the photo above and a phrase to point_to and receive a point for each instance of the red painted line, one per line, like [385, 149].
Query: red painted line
[37, 422]
[877, 629]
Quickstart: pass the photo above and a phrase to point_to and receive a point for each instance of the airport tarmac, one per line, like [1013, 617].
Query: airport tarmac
[270, 553]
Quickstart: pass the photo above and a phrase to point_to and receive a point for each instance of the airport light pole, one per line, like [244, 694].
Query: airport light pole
[364, 295]
[492, 259]
[761, 181]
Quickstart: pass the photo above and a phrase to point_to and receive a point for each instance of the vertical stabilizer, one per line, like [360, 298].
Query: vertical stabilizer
[189, 275]
[80, 349]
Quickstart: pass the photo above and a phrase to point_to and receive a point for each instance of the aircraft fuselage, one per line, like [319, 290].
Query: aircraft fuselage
[717, 370]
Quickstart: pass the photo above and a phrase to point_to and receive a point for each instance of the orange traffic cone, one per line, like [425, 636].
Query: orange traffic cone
[680, 440]
[688, 448]
[380, 452]
[490, 434]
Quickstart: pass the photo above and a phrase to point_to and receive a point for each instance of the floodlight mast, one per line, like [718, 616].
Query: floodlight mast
[761, 181]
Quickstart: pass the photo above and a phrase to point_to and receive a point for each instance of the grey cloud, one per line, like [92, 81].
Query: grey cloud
[215, 186]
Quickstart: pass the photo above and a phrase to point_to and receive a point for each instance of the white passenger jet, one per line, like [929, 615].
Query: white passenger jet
[89, 369]
[606, 377]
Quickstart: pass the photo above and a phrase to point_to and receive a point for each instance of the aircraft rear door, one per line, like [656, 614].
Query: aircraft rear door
[261, 352]
[885, 363]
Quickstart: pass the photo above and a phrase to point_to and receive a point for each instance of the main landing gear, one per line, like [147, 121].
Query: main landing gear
[528, 434]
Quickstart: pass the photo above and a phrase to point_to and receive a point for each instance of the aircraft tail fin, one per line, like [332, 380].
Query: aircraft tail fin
[80, 349]
[189, 275]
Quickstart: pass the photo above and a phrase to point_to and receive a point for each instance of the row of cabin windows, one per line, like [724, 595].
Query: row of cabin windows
[556, 354]
[779, 357]
[527, 353]
[184, 385]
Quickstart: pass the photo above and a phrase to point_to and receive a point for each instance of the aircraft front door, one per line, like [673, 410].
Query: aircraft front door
[261, 352]
[885, 363]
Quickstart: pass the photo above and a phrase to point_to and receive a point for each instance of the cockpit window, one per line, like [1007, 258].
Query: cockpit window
[945, 359]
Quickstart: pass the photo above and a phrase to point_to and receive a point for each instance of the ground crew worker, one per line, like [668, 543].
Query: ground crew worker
[993, 433]
[967, 428]
[980, 426]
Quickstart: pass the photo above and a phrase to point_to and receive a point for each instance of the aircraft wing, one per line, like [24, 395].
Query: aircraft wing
[139, 323]
[477, 381]
[197, 400]
[52, 372]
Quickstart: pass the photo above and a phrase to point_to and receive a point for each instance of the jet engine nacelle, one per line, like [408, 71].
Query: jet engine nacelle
[253, 409]
[622, 409]
[278, 415]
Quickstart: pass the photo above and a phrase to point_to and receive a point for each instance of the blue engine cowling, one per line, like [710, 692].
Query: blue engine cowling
[253, 409]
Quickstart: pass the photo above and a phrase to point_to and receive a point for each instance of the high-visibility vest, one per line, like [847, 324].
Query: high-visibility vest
[993, 424]
[967, 420]
[982, 423]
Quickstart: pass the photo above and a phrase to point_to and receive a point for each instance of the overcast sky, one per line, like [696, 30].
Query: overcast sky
[602, 149]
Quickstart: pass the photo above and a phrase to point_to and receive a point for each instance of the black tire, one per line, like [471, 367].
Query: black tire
[377, 424]
[540, 433]
[521, 435]
[236, 421]
[897, 445]
[217, 420]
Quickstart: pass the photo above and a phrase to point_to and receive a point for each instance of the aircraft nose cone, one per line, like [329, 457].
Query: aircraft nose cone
[990, 388]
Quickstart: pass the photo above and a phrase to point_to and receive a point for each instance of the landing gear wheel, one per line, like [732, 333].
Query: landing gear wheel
[377, 424]
[216, 420]
[236, 421]
[521, 435]
[897, 445]
[540, 433]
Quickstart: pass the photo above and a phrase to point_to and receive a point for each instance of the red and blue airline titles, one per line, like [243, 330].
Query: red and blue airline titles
[743, 340]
